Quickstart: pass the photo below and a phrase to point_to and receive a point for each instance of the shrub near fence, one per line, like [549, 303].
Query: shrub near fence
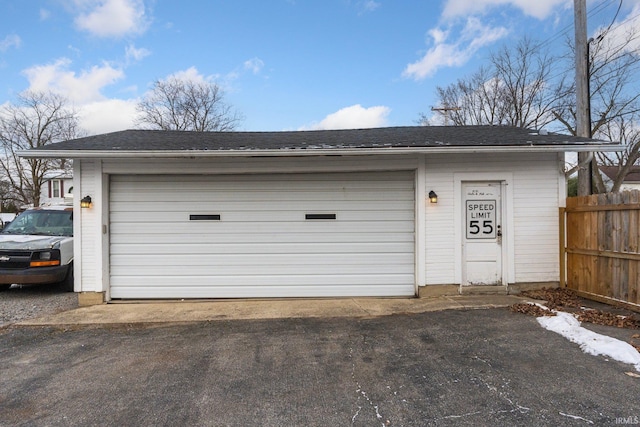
[602, 246]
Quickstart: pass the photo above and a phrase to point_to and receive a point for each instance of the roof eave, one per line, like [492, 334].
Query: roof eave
[98, 154]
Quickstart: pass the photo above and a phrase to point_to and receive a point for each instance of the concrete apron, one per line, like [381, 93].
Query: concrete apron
[200, 311]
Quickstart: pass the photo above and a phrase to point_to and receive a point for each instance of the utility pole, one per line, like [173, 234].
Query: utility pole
[445, 112]
[583, 119]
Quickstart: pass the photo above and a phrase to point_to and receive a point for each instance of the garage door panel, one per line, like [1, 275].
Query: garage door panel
[273, 269]
[258, 291]
[274, 182]
[206, 227]
[247, 280]
[202, 205]
[212, 262]
[262, 245]
[263, 216]
[120, 241]
[266, 196]
[248, 287]
[239, 250]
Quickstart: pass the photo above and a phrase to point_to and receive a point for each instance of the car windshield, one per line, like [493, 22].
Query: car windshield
[42, 222]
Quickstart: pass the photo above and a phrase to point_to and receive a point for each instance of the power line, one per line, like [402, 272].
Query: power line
[612, 21]
[621, 23]
[610, 28]
[563, 32]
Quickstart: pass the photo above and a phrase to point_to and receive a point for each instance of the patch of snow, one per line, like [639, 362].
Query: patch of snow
[590, 342]
[468, 414]
[575, 417]
[353, 419]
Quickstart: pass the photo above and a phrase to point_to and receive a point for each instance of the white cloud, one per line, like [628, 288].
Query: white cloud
[481, 35]
[135, 54]
[623, 32]
[190, 74]
[44, 14]
[84, 89]
[74, 50]
[473, 36]
[12, 40]
[353, 117]
[439, 36]
[368, 6]
[80, 88]
[539, 9]
[225, 81]
[254, 65]
[111, 18]
[109, 115]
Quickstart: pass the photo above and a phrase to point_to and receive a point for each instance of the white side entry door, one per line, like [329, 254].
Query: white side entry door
[482, 233]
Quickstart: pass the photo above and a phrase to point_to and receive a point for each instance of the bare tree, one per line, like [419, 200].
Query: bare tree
[628, 133]
[37, 119]
[476, 100]
[7, 199]
[525, 86]
[186, 105]
[529, 92]
[514, 90]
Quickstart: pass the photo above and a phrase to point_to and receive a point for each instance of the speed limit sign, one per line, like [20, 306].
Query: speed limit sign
[481, 219]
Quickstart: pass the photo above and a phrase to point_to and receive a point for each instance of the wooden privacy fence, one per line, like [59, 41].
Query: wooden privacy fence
[600, 258]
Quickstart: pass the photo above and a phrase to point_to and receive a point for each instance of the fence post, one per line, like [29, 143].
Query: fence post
[562, 241]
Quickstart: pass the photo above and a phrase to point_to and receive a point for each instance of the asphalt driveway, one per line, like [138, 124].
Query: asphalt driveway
[454, 367]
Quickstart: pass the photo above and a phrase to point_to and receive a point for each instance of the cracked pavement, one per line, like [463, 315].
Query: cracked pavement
[454, 367]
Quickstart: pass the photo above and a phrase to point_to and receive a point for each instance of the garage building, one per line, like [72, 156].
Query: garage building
[400, 211]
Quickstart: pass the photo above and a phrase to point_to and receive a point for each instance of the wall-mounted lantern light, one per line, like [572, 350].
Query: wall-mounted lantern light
[433, 197]
[85, 202]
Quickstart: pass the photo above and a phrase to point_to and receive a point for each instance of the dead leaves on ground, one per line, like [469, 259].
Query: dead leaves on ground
[599, 317]
[531, 310]
[635, 341]
[567, 300]
[556, 298]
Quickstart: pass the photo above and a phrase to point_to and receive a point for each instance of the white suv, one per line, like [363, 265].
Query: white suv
[37, 248]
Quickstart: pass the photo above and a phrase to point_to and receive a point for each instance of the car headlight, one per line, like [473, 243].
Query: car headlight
[47, 258]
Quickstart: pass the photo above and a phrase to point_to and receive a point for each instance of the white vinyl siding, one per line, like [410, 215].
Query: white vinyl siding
[534, 255]
[534, 184]
[262, 246]
[89, 219]
[536, 220]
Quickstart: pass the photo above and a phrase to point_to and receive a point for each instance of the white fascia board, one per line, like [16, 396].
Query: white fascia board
[106, 154]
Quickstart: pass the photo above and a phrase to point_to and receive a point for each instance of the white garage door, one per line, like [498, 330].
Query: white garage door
[287, 235]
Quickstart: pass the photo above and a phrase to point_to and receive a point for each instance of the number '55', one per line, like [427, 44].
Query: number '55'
[474, 227]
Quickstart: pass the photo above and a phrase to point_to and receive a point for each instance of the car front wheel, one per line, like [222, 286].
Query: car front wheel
[67, 284]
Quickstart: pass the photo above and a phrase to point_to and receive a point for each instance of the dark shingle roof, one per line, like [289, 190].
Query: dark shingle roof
[612, 171]
[375, 138]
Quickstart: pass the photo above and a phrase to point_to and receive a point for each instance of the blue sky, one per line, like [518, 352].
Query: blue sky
[284, 64]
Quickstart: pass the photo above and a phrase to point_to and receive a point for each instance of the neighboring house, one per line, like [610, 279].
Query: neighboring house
[336, 213]
[630, 182]
[6, 218]
[57, 188]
